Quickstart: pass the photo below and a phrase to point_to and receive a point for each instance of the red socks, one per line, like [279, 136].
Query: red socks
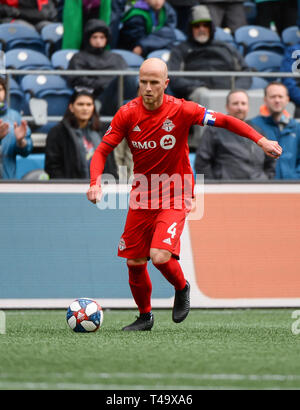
[173, 273]
[141, 286]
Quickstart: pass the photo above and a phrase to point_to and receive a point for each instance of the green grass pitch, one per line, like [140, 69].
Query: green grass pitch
[211, 349]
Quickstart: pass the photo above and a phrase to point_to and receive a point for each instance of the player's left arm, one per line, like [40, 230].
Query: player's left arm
[217, 119]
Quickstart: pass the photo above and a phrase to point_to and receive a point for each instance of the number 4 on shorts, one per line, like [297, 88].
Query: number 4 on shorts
[172, 230]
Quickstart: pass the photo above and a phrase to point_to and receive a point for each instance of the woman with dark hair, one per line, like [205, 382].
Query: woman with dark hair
[71, 143]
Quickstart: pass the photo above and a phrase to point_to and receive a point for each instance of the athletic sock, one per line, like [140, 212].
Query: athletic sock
[173, 273]
[141, 286]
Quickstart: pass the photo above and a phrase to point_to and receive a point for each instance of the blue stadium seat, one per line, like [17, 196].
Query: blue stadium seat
[163, 54]
[222, 35]
[52, 35]
[133, 60]
[13, 35]
[25, 165]
[291, 35]
[180, 35]
[252, 38]
[16, 95]
[60, 59]
[52, 88]
[258, 83]
[25, 59]
[264, 60]
[22, 59]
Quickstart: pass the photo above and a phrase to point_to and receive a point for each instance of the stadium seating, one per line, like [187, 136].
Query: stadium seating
[13, 35]
[52, 35]
[60, 59]
[25, 165]
[252, 38]
[258, 83]
[133, 60]
[16, 95]
[52, 88]
[22, 59]
[163, 54]
[264, 60]
[222, 35]
[291, 35]
[180, 35]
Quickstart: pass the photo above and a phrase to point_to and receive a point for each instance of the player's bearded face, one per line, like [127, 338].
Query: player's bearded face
[152, 88]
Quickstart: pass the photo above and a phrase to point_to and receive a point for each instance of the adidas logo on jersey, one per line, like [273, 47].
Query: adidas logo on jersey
[168, 241]
[137, 128]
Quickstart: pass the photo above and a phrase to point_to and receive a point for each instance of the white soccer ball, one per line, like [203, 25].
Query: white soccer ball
[84, 315]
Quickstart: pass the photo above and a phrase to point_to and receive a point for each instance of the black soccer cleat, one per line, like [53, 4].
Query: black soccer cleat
[144, 322]
[181, 305]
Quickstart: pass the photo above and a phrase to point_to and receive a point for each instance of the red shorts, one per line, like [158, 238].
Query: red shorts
[151, 228]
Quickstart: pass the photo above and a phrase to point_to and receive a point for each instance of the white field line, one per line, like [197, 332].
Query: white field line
[180, 376]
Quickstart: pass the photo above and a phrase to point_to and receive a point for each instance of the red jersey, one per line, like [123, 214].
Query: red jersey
[158, 141]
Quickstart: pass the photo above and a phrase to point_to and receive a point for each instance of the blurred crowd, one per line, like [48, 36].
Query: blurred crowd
[190, 35]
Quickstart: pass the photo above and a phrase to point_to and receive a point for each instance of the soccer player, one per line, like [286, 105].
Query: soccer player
[156, 127]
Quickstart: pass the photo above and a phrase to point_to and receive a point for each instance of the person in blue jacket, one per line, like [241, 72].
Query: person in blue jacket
[291, 63]
[148, 25]
[14, 136]
[280, 127]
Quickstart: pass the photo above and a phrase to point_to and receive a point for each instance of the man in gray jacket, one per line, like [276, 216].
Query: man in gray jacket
[221, 154]
[201, 52]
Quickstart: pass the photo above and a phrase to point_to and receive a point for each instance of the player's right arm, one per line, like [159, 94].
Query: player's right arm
[111, 139]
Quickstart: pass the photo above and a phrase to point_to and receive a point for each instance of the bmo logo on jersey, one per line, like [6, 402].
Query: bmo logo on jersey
[144, 145]
[166, 142]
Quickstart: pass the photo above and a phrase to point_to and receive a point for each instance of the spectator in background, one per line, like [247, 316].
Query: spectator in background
[202, 53]
[280, 127]
[281, 13]
[14, 136]
[183, 9]
[290, 63]
[71, 143]
[227, 13]
[148, 25]
[76, 13]
[37, 13]
[223, 154]
[95, 56]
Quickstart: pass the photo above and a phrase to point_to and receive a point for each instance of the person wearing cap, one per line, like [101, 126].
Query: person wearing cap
[95, 56]
[201, 52]
[15, 136]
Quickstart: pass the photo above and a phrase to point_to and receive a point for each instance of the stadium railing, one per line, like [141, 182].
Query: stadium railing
[39, 139]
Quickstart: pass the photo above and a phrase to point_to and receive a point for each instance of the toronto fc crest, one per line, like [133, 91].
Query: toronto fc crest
[168, 125]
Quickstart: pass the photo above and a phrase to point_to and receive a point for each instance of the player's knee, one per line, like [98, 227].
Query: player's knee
[134, 262]
[159, 256]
